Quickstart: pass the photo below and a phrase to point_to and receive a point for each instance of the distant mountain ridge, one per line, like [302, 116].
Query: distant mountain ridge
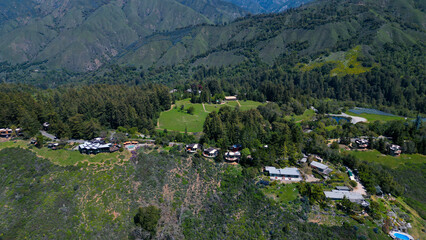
[268, 6]
[83, 35]
[80, 37]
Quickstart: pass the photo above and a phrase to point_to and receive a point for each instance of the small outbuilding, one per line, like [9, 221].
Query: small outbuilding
[321, 168]
[192, 148]
[210, 152]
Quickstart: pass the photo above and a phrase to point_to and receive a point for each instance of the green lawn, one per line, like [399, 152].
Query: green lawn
[390, 161]
[282, 193]
[178, 120]
[307, 115]
[375, 117]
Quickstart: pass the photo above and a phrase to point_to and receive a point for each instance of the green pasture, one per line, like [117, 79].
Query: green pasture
[375, 117]
[387, 160]
[282, 193]
[307, 115]
[179, 120]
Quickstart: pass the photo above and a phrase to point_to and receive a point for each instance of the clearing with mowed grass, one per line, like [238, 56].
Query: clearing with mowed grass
[180, 119]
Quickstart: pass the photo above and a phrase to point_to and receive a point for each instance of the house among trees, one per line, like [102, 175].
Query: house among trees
[7, 132]
[210, 152]
[321, 168]
[361, 143]
[46, 126]
[53, 146]
[232, 156]
[351, 196]
[235, 148]
[192, 148]
[394, 150]
[231, 98]
[284, 174]
[95, 147]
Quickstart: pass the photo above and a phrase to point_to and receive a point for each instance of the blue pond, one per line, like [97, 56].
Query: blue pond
[401, 236]
[339, 119]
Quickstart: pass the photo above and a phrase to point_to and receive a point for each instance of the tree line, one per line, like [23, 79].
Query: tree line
[81, 112]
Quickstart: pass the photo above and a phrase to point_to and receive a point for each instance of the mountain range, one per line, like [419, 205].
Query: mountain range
[81, 36]
[267, 6]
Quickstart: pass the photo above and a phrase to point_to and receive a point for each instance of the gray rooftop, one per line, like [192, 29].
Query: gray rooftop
[283, 171]
[319, 165]
[337, 194]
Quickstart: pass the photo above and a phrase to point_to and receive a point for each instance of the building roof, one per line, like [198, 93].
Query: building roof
[283, 171]
[319, 165]
[272, 170]
[94, 145]
[337, 194]
[231, 98]
[343, 188]
[192, 145]
[210, 150]
[290, 171]
[394, 147]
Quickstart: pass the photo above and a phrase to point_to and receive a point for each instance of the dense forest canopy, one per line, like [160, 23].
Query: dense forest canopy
[81, 112]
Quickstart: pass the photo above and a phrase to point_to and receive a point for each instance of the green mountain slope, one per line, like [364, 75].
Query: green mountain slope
[267, 6]
[309, 31]
[81, 35]
[198, 199]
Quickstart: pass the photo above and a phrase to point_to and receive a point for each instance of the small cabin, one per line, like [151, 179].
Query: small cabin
[321, 168]
[210, 152]
[192, 148]
[232, 156]
[394, 150]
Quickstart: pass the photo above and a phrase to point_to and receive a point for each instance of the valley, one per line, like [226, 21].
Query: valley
[213, 119]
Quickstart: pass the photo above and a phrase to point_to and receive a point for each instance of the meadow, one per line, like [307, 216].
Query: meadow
[387, 160]
[375, 117]
[177, 119]
[307, 115]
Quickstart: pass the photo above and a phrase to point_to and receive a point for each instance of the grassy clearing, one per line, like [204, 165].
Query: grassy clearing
[375, 117]
[177, 119]
[282, 193]
[345, 63]
[307, 115]
[390, 161]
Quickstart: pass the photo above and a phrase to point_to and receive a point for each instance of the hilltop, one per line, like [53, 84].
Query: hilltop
[80, 37]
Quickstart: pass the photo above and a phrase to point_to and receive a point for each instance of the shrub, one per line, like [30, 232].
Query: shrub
[147, 218]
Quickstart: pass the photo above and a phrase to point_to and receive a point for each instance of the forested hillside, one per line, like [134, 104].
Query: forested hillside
[84, 35]
[82, 112]
[267, 6]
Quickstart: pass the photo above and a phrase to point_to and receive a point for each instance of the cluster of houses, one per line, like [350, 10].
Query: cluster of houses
[361, 143]
[7, 132]
[232, 155]
[96, 146]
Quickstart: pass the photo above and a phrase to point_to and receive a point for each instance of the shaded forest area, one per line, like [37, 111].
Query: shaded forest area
[81, 112]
